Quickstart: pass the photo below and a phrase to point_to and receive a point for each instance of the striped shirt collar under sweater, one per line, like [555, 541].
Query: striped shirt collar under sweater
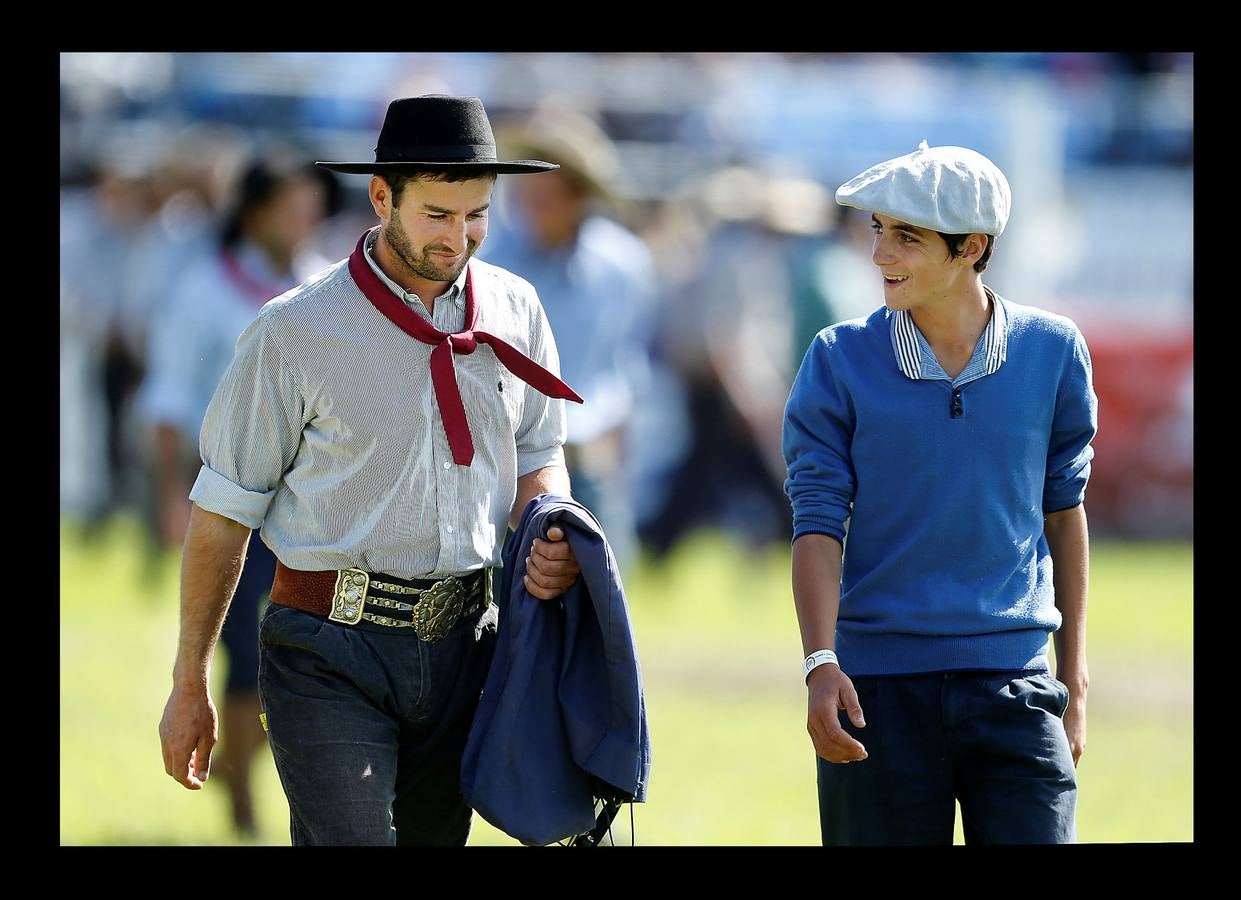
[917, 361]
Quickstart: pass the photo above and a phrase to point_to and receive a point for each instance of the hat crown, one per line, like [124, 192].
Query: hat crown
[430, 126]
[953, 190]
[436, 131]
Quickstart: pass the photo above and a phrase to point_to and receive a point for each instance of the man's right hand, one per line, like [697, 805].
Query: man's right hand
[830, 691]
[187, 733]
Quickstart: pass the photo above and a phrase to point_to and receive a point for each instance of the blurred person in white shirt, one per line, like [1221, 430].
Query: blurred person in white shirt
[264, 249]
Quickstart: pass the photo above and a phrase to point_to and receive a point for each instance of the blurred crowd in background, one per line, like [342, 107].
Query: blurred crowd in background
[686, 253]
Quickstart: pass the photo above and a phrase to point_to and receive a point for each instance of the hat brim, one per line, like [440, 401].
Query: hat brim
[503, 167]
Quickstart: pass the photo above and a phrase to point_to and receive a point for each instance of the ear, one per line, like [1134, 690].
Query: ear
[381, 197]
[973, 249]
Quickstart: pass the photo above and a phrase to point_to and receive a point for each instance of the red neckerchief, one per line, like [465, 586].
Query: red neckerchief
[443, 375]
[258, 292]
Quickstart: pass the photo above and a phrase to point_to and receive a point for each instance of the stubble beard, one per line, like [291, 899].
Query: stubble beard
[421, 264]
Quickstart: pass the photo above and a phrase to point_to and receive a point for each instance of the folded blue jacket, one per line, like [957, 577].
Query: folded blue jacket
[562, 719]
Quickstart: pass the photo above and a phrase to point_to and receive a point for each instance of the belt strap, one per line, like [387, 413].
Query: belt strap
[307, 591]
[342, 596]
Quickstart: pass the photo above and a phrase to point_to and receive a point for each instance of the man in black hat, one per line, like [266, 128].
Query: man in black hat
[383, 422]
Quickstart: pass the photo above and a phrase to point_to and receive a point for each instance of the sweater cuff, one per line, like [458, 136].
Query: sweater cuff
[818, 527]
[1056, 501]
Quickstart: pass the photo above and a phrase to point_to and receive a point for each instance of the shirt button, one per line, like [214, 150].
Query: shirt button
[450, 529]
[447, 464]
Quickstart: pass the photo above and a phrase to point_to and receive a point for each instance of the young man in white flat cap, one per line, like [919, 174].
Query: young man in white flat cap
[938, 453]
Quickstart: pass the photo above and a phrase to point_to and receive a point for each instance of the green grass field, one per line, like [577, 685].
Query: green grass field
[732, 764]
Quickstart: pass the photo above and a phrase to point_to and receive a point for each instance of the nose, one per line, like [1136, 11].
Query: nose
[881, 252]
[454, 236]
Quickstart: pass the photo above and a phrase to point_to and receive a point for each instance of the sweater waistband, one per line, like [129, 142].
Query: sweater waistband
[908, 654]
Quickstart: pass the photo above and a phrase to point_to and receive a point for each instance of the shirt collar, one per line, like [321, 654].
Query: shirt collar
[909, 344]
[455, 293]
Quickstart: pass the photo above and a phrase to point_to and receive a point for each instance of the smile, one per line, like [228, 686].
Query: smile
[894, 279]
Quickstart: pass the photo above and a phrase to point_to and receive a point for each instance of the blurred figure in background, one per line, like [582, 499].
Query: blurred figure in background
[731, 339]
[596, 280]
[83, 323]
[835, 282]
[101, 218]
[263, 251]
[191, 184]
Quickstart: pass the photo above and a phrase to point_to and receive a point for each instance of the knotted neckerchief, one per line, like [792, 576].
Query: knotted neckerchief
[443, 375]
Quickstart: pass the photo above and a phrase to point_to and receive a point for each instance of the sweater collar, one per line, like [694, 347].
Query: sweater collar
[913, 352]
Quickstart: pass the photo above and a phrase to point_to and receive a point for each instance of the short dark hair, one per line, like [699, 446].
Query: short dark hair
[400, 177]
[956, 247]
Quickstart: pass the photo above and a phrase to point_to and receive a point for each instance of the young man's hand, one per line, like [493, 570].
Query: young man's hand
[830, 691]
[551, 567]
[1075, 723]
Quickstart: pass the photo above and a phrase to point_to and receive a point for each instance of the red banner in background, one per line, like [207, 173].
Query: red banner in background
[1141, 481]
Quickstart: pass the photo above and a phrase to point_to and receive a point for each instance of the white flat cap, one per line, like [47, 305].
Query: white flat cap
[952, 190]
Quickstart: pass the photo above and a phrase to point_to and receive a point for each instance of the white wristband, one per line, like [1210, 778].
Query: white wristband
[816, 659]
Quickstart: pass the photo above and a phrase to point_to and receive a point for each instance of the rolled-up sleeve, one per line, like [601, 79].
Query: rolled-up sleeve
[1074, 425]
[541, 433]
[252, 429]
[817, 428]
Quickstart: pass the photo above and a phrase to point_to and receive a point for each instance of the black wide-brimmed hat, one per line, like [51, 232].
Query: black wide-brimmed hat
[440, 132]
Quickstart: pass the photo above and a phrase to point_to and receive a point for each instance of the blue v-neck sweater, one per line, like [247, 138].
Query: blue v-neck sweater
[940, 510]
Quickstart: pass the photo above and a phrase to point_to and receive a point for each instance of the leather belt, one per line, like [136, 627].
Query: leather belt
[431, 607]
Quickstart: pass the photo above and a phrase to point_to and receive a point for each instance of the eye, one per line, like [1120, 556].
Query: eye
[436, 216]
[876, 227]
[908, 238]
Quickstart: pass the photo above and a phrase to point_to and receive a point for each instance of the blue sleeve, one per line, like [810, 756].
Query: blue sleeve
[818, 433]
[1073, 427]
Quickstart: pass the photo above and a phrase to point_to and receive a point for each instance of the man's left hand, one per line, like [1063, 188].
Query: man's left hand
[1075, 725]
[551, 567]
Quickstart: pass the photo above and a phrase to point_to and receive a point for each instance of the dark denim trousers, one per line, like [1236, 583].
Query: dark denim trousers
[994, 741]
[368, 724]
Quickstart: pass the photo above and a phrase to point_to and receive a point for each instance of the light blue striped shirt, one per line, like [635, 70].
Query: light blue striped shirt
[917, 360]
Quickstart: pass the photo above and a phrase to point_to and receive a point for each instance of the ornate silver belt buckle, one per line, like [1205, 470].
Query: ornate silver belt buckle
[438, 609]
[347, 601]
